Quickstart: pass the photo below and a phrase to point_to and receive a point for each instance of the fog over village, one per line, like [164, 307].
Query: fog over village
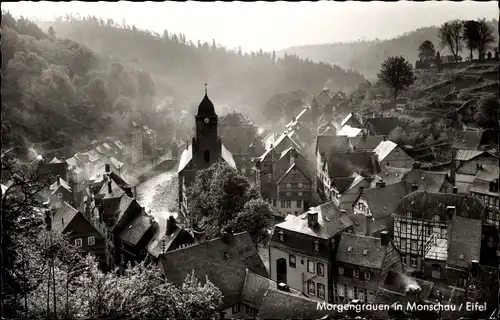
[265, 160]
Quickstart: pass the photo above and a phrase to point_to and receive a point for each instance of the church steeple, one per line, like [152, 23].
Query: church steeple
[206, 107]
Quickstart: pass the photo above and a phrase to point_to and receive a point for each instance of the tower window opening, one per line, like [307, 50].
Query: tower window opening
[206, 156]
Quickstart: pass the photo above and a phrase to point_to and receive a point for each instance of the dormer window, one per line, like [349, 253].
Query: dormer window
[461, 256]
[341, 270]
[349, 249]
[367, 275]
[281, 235]
[436, 217]
[365, 252]
[316, 245]
[408, 214]
[355, 273]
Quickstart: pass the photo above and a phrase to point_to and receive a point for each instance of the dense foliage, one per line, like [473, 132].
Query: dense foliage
[397, 73]
[60, 94]
[236, 78]
[220, 197]
[44, 276]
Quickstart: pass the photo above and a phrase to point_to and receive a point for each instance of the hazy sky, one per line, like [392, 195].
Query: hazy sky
[274, 25]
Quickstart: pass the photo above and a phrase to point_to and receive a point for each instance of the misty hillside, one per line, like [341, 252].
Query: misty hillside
[234, 78]
[367, 56]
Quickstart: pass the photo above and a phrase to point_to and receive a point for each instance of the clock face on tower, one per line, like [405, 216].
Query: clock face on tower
[206, 120]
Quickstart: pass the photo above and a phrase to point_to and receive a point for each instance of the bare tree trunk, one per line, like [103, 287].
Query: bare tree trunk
[54, 288]
[25, 287]
[48, 293]
[67, 295]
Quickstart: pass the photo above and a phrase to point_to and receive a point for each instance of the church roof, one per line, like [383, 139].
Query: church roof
[206, 108]
[187, 156]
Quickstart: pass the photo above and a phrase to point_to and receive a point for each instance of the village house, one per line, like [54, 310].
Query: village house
[87, 234]
[169, 236]
[467, 164]
[379, 203]
[430, 181]
[361, 265]
[365, 142]
[485, 188]
[382, 126]
[389, 153]
[422, 215]
[206, 149]
[350, 126]
[60, 192]
[301, 250]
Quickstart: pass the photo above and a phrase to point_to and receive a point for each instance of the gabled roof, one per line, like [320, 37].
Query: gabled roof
[60, 183]
[63, 217]
[467, 140]
[488, 173]
[424, 205]
[344, 164]
[115, 209]
[465, 242]
[466, 155]
[186, 157]
[120, 145]
[55, 160]
[323, 97]
[383, 201]
[223, 262]
[351, 120]
[384, 149]
[349, 131]
[294, 166]
[227, 156]
[326, 144]
[365, 142]
[73, 162]
[116, 163]
[282, 138]
[296, 120]
[156, 246]
[390, 175]
[382, 125]
[430, 181]
[4, 189]
[330, 222]
[136, 230]
[359, 224]
[359, 244]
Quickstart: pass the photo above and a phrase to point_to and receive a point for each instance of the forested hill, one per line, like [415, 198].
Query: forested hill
[367, 56]
[234, 78]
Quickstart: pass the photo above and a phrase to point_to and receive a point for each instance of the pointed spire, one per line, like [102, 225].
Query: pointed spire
[206, 88]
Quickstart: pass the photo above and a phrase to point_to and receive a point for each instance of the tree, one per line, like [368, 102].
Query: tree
[255, 218]
[471, 36]
[51, 32]
[397, 73]
[485, 38]
[450, 34]
[217, 195]
[426, 51]
[487, 113]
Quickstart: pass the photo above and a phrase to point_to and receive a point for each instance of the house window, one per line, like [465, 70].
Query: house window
[436, 217]
[59, 196]
[288, 204]
[91, 241]
[444, 233]
[281, 236]
[236, 308]
[368, 276]
[320, 269]
[316, 245]
[206, 156]
[274, 202]
[403, 227]
[414, 245]
[413, 262]
[300, 185]
[403, 244]
[299, 202]
[350, 292]
[387, 163]
[249, 311]
[288, 185]
[355, 273]
[312, 288]
[408, 214]
[300, 193]
[429, 231]
[403, 259]
[341, 270]
[288, 194]
[414, 229]
[283, 204]
[321, 290]
[269, 177]
[370, 296]
[310, 266]
[292, 261]
[78, 242]
[461, 282]
[340, 290]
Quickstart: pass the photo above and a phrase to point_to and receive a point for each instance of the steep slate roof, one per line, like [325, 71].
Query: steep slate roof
[430, 181]
[382, 125]
[227, 156]
[330, 222]
[134, 232]
[279, 304]
[55, 160]
[359, 224]
[424, 205]
[488, 173]
[366, 141]
[115, 209]
[358, 244]
[323, 97]
[343, 164]
[350, 120]
[465, 242]
[467, 140]
[295, 166]
[281, 138]
[325, 144]
[155, 246]
[390, 175]
[384, 149]
[60, 183]
[223, 263]
[67, 213]
[383, 201]
[187, 156]
[349, 131]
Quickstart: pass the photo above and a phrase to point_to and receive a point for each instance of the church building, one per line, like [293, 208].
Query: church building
[205, 149]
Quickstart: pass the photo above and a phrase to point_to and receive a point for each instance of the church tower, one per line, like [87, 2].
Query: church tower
[206, 143]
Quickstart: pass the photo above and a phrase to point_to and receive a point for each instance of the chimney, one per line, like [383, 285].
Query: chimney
[385, 138]
[414, 187]
[107, 168]
[455, 190]
[385, 238]
[227, 234]
[171, 226]
[450, 212]
[109, 187]
[58, 179]
[312, 218]
[369, 220]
